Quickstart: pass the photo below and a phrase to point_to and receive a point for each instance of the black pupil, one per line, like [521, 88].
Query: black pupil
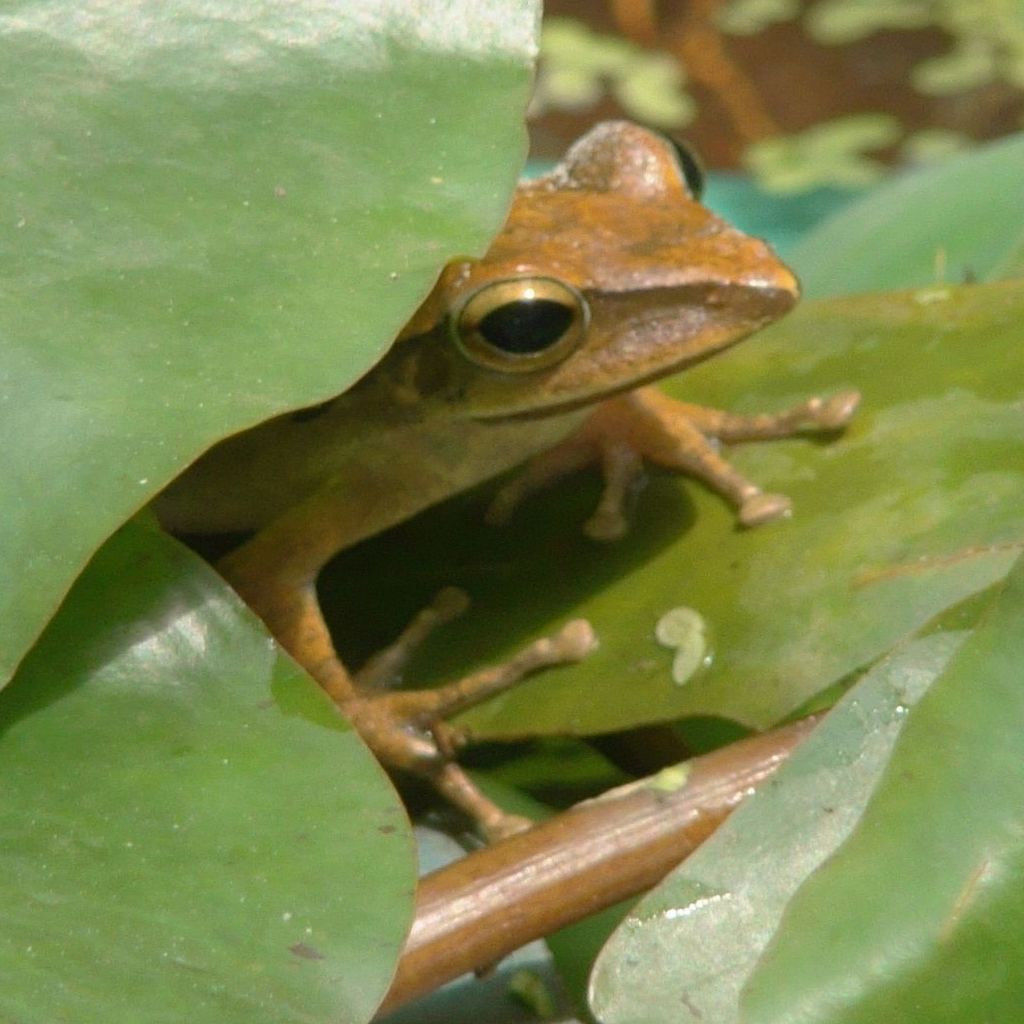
[692, 170]
[526, 326]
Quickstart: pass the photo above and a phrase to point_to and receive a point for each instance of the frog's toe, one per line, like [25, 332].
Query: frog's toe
[622, 467]
[460, 790]
[507, 825]
[504, 503]
[835, 412]
[385, 667]
[573, 642]
[763, 508]
[449, 603]
[607, 525]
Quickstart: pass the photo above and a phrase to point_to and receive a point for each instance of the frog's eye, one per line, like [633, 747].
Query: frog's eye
[521, 324]
[690, 165]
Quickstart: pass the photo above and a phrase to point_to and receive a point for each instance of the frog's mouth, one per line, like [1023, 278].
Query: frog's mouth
[656, 335]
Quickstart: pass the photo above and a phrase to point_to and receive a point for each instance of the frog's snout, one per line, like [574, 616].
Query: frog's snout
[774, 276]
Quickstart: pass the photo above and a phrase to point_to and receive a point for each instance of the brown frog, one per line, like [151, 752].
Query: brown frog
[608, 275]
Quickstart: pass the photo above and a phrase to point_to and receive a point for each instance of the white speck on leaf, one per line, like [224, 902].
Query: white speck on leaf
[686, 630]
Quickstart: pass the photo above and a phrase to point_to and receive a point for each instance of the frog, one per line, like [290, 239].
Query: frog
[543, 355]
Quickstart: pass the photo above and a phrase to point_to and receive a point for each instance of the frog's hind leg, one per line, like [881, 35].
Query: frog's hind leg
[646, 423]
[406, 729]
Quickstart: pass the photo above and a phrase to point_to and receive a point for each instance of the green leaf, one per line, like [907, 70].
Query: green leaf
[188, 831]
[919, 916]
[1013, 265]
[554, 771]
[827, 154]
[579, 66]
[749, 17]
[840, 22]
[575, 948]
[913, 509]
[214, 212]
[957, 220]
[928, 145]
[971, 64]
[685, 951]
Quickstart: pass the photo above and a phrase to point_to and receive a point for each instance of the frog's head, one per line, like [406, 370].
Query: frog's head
[609, 273]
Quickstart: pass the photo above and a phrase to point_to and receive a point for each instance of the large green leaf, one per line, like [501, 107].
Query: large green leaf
[684, 952]
[914, 509]
[959, 220]
[188, 830]
[920, 916]
[215, 211]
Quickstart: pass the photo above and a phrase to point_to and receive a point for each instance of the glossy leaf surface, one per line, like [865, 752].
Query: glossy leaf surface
[921, 914]
[957, 221]
[189, 831]
[214, 212]
[684, 952]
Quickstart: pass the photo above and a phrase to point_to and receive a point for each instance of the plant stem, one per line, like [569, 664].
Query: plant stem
[472, 913]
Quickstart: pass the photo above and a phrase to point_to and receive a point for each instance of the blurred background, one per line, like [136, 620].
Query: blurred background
[803, 95]
[796, 107]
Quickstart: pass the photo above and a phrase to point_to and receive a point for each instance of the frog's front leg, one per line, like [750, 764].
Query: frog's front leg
[647, 424]
[275, 572]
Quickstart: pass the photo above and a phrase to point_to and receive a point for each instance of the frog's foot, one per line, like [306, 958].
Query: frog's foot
[646, 423]
[406, 729]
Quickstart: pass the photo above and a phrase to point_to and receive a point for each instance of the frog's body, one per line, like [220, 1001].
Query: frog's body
[608, 274]
[251, 479]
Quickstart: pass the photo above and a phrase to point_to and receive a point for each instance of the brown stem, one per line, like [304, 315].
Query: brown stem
[697, 42]
[472, 913]
[636, 19]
